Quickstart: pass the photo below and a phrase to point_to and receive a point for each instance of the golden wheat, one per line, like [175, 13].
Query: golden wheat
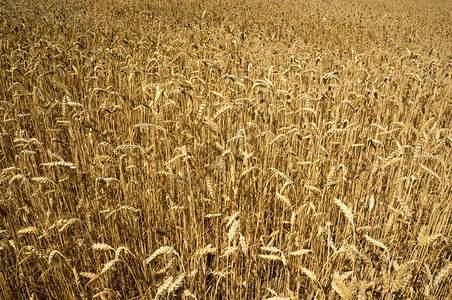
[225, 149]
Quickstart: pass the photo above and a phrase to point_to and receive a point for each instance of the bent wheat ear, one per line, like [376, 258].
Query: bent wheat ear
[228, 251]
[232, 218]
[109, 265]
[344, 290]
[121, 249]
[177, 283]
[377, 243]
[164, 286]
[243, 244]
[309, 273]
[42, 180]
[52, 255]
[284, 199]
[233, 231]
[206, 250]
[102, 247]
[271, 249]
[443, 273]
[88, 275]
[31, 230]
[60, 164]
[345, 210]
[160, 251]
[188, 294]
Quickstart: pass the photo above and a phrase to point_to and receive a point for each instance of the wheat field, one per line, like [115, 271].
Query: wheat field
[225, 149]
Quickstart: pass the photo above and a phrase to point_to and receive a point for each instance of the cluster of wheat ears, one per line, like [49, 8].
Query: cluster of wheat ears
[225, 149]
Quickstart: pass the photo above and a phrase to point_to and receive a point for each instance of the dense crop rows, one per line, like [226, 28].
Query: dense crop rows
[225, 149]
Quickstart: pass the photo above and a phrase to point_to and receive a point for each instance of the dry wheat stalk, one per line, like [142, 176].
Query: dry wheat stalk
[300, 252]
